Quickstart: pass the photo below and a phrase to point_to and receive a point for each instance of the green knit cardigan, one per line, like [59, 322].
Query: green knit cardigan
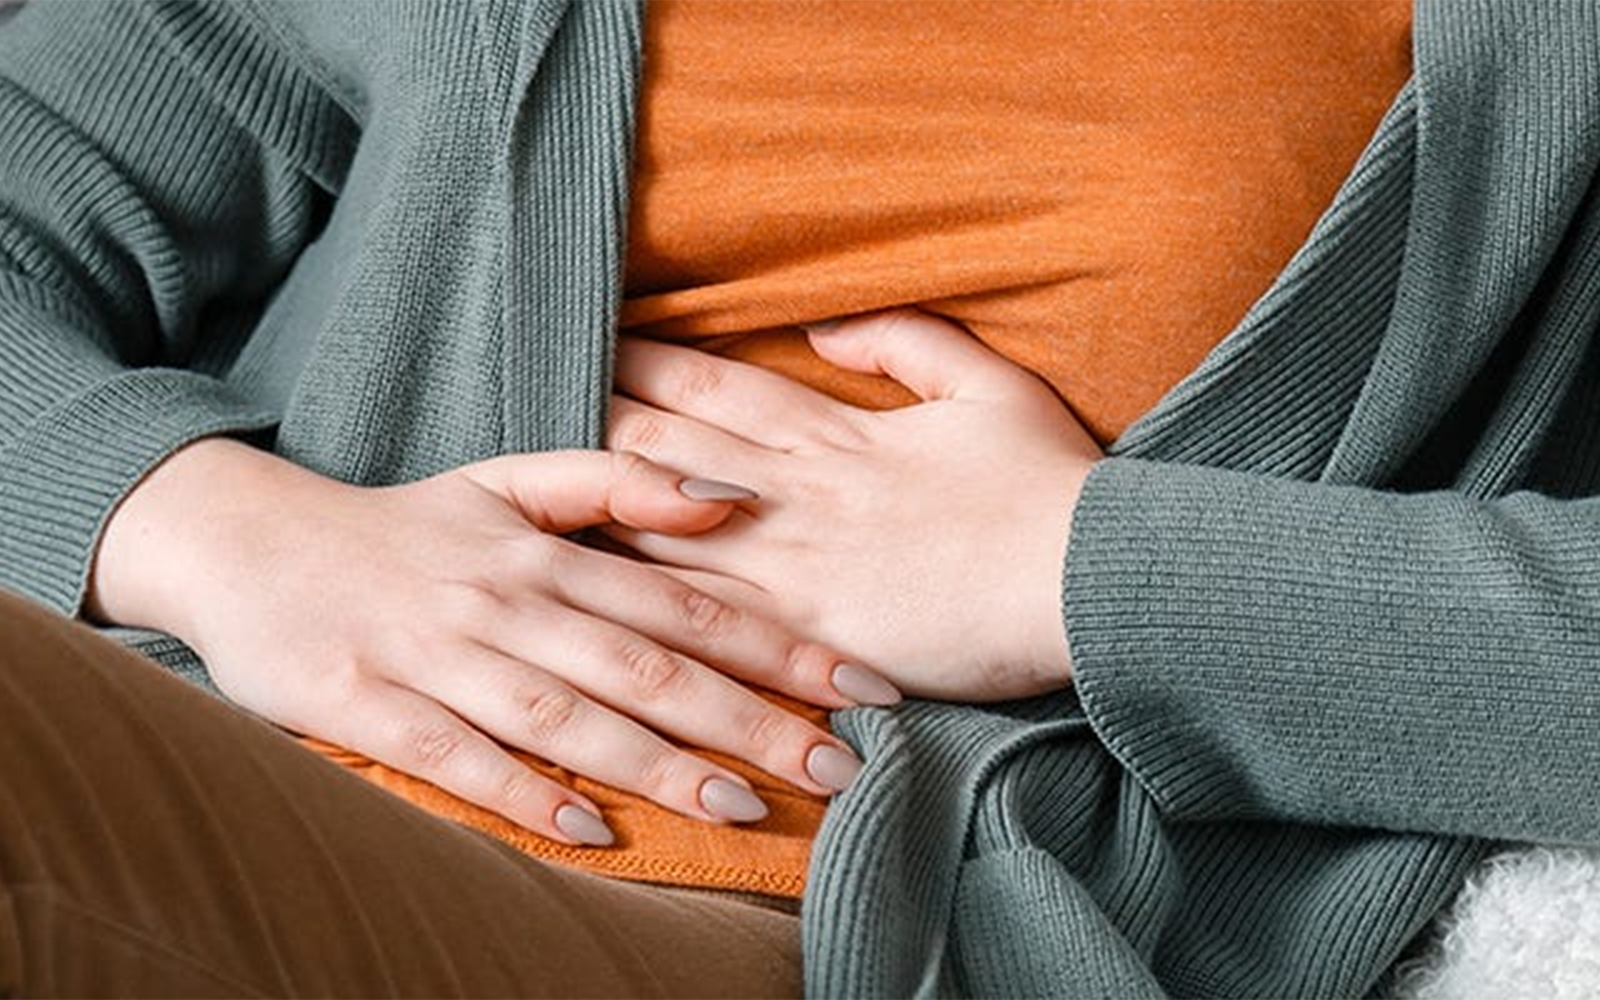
[1334, 603]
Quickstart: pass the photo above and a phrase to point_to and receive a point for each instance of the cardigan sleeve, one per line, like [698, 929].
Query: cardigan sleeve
[140, 229]
[1252, 647]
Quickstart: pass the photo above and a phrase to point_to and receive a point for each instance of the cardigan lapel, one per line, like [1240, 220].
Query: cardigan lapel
[1427, 256]
[1273, 397]
[570, 149]
[1490, 207]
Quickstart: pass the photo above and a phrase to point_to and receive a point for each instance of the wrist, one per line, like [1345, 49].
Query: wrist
[171, 537]
[1052, 653]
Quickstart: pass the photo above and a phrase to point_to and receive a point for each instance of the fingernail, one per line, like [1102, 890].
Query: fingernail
[821, 325]
[864, 687]
[716, 489]
[831, 767]
[726, 800]
[584, 826]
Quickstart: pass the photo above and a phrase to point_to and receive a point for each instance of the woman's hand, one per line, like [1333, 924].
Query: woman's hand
[928, 541]
[419, 624]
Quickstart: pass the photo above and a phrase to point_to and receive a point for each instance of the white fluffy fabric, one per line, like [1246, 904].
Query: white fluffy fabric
[1527, 924]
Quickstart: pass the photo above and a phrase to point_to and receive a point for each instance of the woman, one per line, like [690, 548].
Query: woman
[275, 302]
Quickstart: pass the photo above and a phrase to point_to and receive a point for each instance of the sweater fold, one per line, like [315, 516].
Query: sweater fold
[1328, 633]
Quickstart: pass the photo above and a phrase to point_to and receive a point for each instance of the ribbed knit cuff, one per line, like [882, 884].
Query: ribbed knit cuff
[1198, 617]
[63, 476]
[1255, 647]
[170, 652]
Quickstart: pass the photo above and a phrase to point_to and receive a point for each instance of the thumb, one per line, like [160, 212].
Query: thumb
[562, 491]
[933, 357]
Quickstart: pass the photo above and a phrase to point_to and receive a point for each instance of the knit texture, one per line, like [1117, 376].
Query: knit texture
[1336, 596]
[1334, 604]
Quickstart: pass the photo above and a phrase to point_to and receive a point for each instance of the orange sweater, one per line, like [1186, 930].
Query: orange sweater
[1097, 189]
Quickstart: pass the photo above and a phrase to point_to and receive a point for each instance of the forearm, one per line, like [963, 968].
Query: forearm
[126, 271]
[1253, 647]
[208, 505]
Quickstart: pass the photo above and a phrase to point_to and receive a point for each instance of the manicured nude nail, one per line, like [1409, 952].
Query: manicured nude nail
[864, 687]
[716, 489]
[584, 826]
[735, 803]
[831, 767]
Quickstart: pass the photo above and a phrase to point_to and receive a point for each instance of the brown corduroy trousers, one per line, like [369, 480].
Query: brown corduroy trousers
[156, 842]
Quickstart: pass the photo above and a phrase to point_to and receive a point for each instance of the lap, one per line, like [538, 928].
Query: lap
[153, 840]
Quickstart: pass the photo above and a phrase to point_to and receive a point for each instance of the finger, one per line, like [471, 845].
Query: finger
[535, 711]
[933, 357]
[562, 491]
[862, 685]
[670, 554]
[681, 442]
[414, 734]
[738, 642]
[670, 693]
[738, 398]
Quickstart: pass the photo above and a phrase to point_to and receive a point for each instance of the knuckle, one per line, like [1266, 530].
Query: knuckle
[343, 683]
[628, 466]
[549, 712]
[898, 324]
[707, 617]
[693, 378]
[518, 790]
[841, 432]
[661, 770]
[433, 745]
[639, 432]
[800, 660]
[653, 672]
[766, 731]
[469, 604]
[533, 558]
